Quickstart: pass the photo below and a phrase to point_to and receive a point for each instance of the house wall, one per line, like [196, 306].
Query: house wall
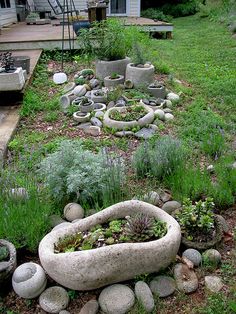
[133, 10]
[8, 15]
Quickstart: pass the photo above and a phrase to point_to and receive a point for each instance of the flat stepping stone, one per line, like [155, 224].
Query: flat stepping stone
[145, 133]
[213, 283]
[91, 307]
[144, 295]
[54, 299]
[186, 279]
[116, 299]
[194, 256]
[163, 286]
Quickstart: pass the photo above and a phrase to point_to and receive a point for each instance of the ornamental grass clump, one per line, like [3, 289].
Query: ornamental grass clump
[72, 173]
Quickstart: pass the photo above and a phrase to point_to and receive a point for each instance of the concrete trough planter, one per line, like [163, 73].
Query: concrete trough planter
[91, 269]
[157, 90]
[140, 76]
[106, 68]
[110, 82]
[81, 117]
[126, 125]
[14, 81]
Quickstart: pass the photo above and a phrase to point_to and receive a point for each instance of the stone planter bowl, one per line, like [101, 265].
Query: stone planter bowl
[81, 117]
[99, 107]
[7, 267]
[106, 68]
[98, 99]
[125, 125]
[66, 100]
[139, 76]
[91, 269]
[108, 82]
[158, 92]
[88, 107]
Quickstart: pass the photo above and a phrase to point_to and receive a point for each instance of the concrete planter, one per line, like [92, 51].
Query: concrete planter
[139, 76]
[126, 125]
[99, 107]
[81, 117]
[14, 81]
[88, 107]
[91, 269]
[66, 100]
[158, 91]
[98, 96]
[109, 82]
[106, 68]
[7, 267]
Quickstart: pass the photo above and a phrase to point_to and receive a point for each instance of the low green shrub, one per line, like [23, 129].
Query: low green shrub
[24, 220]
[156, 14]
[159, 159]
[188, 7]
[73, 173]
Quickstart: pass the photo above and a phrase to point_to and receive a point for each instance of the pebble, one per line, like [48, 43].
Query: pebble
[116, 299]
[212, 256]
[165, 197]
[160, 114]
[73, 211]
[210, 169]
[186, 279]
[152, 198]
[168, 117]
[163, 286]
[95, 121]
[213, 283]
[93, 130]
[128, 84]
[54, 299]
[145, 133]
[94, 83]
[194, 256]
[29, 280]
[120, 103]
[171, 206]
[174, 98]
[91, 307]
[144, 295]
[111, 104]
[124, 133]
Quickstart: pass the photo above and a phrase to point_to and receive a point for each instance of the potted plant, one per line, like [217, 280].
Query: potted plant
[81, 117]
[96, 266]
[86, 105]
[108, 43]
[139, 72]
[128, 117]
[157, 90]
[200, 228]
[78, 22]
[113, 80]
[98, 95]
[7, 261]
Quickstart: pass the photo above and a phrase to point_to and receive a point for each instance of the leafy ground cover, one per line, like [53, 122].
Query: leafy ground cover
[202, 57]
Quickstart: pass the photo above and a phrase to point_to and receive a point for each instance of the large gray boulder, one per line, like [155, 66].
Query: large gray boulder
[91, 269]
[116, 299]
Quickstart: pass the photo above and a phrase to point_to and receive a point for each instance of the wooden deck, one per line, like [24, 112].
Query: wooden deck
[21, 36]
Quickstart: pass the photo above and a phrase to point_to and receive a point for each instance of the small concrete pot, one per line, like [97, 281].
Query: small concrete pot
[106, 68]
[140, 76]
[110, 82]
[88, 107]
[81, 117]
[7, 267]
[66, 100]
[99, 107]
[158, 91]
[98, 96]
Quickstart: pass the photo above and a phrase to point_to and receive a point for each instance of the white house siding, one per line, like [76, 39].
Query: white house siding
[133, 10]
[8, 15]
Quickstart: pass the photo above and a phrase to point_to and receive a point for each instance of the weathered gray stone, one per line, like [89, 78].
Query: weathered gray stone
[95, 121]
[168, 117]
[171, 206]
[68, 87]
[111, 104]
[91, 307]
[139, 76]
[7, 267]
[54, 299]
[163, 286]
[29, 280]
[94, 83]
[106, 68]
[194, 256]
[144, 295]
[99, 114]
[108, 264]
[212, 256]
[64, 312]
[116, 299]
[164, 196]
[145, 133]
[152, 198]
[55, 220]
[84, 126]
[213, 283]
[124, 133]
[168, 104]
[73, 211]
[79, 90]
[167, 110]
[174, 98]
[223, 223]
[93, 130]
[186, 279]
[160, 114]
